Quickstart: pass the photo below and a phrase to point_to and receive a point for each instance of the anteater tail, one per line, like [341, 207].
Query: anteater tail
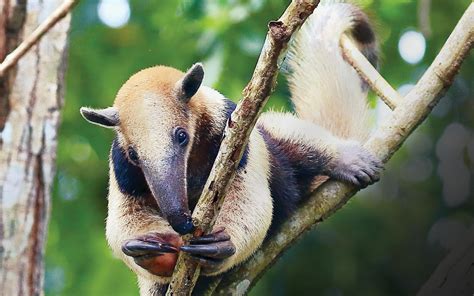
[325, 89]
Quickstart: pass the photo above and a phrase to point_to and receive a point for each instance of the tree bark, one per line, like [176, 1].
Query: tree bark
[31, 97]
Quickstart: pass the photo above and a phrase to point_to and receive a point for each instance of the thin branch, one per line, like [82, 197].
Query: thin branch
[424, 21]
[237, 133]
[365, 69]
[12, 58]
[384, 143]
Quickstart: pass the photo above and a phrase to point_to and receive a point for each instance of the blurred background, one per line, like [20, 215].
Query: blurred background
[385, 241]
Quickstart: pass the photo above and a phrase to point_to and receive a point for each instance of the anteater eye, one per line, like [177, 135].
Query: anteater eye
[132, 154]
[181, 136]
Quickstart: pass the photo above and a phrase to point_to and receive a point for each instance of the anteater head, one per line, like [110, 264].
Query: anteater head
[152, 115]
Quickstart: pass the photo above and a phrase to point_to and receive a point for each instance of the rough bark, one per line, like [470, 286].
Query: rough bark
[387, 139]
[237, 132]
[31, 96]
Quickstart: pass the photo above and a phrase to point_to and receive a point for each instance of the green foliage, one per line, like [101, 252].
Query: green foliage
[384, 242]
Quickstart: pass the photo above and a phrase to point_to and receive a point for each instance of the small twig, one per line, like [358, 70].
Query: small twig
[370, 75]
[12, 58]
[424, 22]
[383, 143]
[237, 133]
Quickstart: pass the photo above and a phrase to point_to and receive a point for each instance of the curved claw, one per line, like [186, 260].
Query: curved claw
[213, 247]
[217, 236]
[136, 248]
[219, 250]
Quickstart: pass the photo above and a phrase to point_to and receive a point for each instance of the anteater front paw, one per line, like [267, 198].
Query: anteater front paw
[155, 252]
[356, 165]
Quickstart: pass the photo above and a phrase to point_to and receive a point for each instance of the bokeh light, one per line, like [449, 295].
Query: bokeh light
[412, 47]
[114, 13]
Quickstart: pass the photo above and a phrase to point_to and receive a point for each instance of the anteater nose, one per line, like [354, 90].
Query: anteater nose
[182, 224]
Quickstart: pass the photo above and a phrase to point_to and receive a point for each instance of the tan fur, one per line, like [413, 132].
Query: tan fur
[148, 111]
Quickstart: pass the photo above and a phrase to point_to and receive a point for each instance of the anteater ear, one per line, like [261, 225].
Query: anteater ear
[107, 117]
[190, 83]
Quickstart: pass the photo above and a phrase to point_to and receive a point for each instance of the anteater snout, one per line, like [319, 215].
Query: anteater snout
[182, 223]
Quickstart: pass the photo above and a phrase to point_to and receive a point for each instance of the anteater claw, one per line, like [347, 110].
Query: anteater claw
[135, 248]
[220, 250]
[217, 236]
[216, 245]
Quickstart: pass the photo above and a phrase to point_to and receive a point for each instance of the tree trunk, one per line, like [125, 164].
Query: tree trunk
[31, 96]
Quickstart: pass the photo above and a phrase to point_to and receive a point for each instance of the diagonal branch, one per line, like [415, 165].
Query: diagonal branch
[370, 75]
[237, 133]
[332, 195]
[12, 58]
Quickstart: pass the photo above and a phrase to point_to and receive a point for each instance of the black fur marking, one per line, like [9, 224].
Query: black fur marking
[293, 168]
[192, 81]
[364, 34]
[130, 178]
[363, 31]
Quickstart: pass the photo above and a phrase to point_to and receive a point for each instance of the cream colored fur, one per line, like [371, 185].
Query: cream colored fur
[325, 88]
[127, 219]
[247, 210]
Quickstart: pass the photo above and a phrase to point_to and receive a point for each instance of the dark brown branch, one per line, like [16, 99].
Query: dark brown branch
[237, 132]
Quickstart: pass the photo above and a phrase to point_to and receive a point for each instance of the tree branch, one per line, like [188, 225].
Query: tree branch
[237, 133]
[370, 75]
[12, 58]
[424, 20]
[332, 195]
